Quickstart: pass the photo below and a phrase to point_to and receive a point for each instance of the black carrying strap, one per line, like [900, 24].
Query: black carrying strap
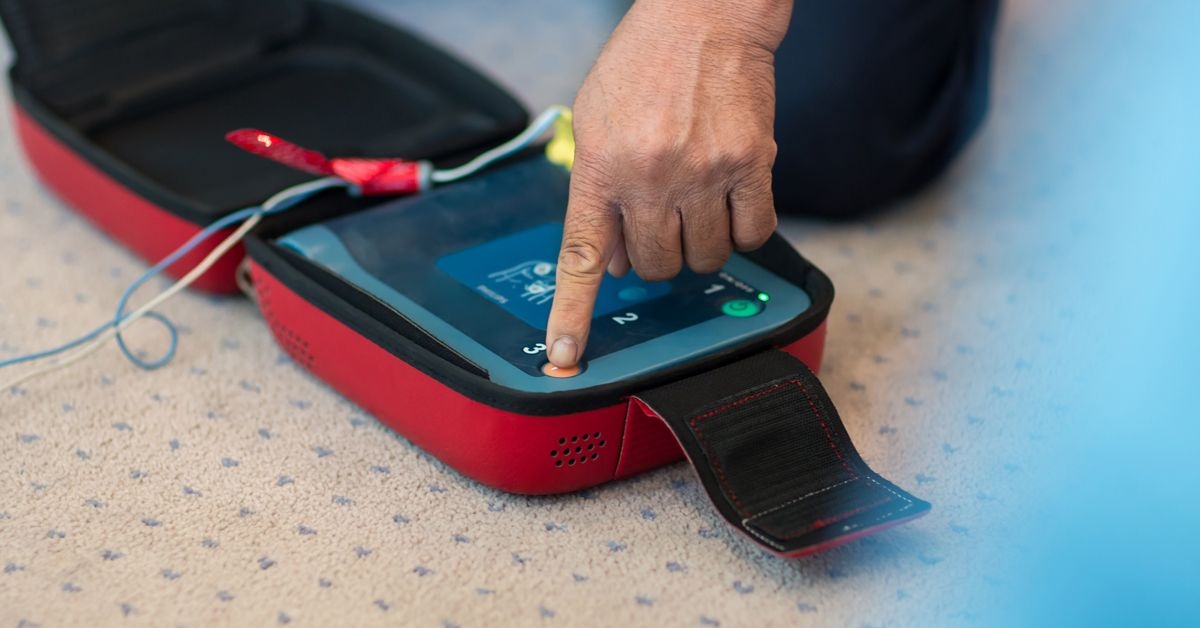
[773, 455]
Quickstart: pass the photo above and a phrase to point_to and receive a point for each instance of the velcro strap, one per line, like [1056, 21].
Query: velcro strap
[774, 457]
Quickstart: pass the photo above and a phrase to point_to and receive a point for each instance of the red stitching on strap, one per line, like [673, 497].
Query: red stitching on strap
[708, 449]
[720, 471]
[745, 399]
[694, 422]
[821, 523]
[824, 426]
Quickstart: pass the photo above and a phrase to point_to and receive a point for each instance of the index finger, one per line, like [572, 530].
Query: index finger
[590, 235]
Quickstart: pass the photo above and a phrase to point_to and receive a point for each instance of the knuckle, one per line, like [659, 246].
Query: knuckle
[750, 154]
[659, 268]
[589, 160]
[770, 151]
[580, 259]
[654, 157]
[654, 242]
[709, 261]
[755, 234]
[706, 217]
[591, 177]
[654, 273]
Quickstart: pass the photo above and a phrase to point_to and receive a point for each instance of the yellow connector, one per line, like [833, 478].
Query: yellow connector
[561, 149]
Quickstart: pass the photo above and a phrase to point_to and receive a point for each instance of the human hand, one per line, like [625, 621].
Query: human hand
[674, 134]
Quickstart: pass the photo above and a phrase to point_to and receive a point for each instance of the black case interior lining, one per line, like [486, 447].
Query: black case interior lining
[147, 89]
[77, 50]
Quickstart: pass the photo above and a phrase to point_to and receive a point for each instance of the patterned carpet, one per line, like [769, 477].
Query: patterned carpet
[233, 488]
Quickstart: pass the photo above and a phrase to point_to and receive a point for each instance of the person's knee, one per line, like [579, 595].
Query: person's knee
[872, 106]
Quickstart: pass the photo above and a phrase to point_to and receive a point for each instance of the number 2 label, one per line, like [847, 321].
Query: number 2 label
[628, 317]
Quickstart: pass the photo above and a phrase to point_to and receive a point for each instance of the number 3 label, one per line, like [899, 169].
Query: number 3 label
[535, 349]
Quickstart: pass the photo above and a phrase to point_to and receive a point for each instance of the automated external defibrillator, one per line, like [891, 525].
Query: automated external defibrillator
[473, 265]
[429, 310]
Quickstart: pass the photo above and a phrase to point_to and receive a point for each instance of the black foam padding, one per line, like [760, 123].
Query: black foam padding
[331, 98]
[77, 50]
[48, 32]
[773, 455]
[147, 89]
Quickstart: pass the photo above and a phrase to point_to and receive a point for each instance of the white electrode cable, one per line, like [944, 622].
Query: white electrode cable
[535, 130]
[248, 218]
[133, 317]
[279, 202]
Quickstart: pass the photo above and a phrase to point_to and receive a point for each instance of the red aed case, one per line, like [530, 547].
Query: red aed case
[753, 420]
[533, 443]
[123, 107]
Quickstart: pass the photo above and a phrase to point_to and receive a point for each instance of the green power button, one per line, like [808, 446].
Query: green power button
[741, 308]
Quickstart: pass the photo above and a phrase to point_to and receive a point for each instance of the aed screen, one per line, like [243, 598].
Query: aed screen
[490, 272]
[517, 273]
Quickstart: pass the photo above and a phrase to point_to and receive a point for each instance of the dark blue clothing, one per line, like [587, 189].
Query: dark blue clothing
[875, 97]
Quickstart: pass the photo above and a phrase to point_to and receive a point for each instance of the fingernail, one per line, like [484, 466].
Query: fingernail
[564, 352]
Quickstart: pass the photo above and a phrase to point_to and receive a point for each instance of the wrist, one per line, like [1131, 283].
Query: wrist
[752, 23]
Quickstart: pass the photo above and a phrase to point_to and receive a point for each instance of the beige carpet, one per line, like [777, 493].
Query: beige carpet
[233, 488]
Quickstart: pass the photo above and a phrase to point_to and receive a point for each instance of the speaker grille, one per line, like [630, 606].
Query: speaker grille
[576, 450]
[293, 343]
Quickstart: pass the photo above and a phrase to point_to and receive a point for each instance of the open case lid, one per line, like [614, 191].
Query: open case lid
[147, 89]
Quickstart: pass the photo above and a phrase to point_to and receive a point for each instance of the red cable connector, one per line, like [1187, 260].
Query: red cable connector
[370, 176]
